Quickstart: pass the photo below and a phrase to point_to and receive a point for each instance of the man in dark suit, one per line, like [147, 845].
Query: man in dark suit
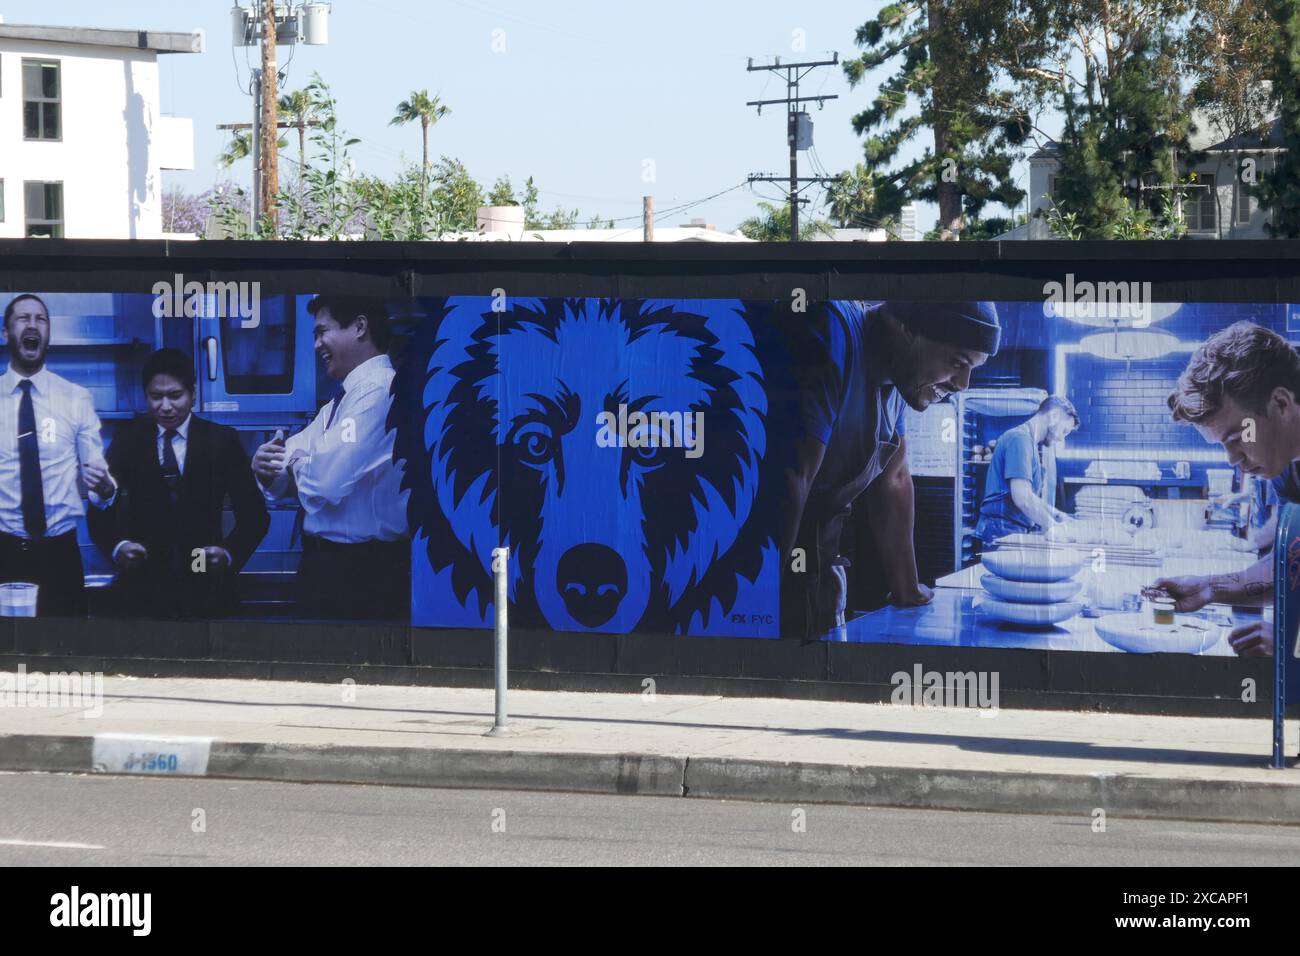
[174, 472]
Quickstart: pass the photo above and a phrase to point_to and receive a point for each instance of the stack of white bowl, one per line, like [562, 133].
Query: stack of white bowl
[1031, 587]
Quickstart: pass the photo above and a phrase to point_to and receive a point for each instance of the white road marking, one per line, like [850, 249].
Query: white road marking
[52, 844]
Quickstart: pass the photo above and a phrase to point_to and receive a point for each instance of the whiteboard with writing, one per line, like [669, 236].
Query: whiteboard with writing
[932, 445]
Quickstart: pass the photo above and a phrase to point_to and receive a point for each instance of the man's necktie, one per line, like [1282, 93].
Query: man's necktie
[29, 464]
[338, 400]
[171, 469]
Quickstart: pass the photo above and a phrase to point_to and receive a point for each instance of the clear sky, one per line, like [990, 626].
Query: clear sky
[581, 96]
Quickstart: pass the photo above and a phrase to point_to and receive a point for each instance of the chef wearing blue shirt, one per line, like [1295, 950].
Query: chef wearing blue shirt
[1020, 487]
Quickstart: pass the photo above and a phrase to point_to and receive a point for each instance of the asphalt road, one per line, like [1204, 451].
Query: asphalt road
[120, 821]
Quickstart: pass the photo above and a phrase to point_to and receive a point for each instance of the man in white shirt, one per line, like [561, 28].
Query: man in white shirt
[356, 554]
[49, 446]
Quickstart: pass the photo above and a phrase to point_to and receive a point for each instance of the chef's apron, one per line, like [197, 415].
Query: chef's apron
[821, 593]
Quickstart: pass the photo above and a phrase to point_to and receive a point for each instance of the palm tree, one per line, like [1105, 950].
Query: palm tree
[428, 110]
[299, 110]
[853, 197]
[240, 147]
[773, 225]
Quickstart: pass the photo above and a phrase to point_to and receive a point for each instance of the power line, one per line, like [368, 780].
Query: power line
[683, 207]
[798, 127]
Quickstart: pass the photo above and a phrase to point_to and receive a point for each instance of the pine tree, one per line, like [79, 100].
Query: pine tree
[1126, 118]
[949, 59]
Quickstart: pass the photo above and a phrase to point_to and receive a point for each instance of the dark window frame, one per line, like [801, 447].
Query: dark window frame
[56, 224]
[42, 102]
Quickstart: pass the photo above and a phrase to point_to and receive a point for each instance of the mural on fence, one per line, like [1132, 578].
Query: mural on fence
[1059, 473]
[614, 446]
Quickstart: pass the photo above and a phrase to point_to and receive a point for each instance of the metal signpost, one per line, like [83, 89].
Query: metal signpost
[501, 572]
[1286, 625]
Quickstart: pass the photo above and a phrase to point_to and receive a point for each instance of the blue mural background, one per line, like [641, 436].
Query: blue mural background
[496, 414]
[499, 415]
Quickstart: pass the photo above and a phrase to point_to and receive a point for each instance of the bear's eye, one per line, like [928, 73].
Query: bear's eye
[535, 447]
[648, 456]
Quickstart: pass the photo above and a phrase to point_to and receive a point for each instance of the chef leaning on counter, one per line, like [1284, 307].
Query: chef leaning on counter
[1242, 390]
[1020, 488]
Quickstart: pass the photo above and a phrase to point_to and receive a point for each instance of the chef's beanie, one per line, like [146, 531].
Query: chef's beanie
[967, 325]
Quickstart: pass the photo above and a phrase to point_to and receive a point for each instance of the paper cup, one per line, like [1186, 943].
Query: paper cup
[18, 599]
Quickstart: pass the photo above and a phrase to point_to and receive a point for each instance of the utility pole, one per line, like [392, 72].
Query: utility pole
[308, 22]
[798, 128]
[268, 121]
[647, 218]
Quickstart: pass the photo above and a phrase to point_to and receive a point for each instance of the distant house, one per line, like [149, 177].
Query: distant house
[82, 137]
[1217, 205]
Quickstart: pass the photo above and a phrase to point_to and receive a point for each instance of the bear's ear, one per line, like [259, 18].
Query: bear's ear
[459, 421]
[735, 438]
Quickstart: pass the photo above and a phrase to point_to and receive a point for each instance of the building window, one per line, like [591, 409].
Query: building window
[41, 107]
[44, 209]
[1242, 196]
[1201, 207]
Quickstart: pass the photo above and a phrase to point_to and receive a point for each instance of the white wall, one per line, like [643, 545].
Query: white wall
[1222, 166]
[110, 175]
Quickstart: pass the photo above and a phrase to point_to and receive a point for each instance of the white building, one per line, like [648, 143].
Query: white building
[1218, 204]
[82, 138]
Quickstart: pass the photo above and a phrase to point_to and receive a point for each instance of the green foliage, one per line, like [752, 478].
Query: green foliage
[948, 65]
[427, 110]
[241, 147]
[1280, 191]
[773, 225]
[979, 230]
[853, 198]
[1130, 222]
[329, 200]
[326, 204]
[503, 194]
[228, 205]
[455, 197]
[1126, 123]
[419, 107]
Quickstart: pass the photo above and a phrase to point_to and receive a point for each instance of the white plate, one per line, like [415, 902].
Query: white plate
[1137, 634]
[1019, 564]
[1035, 615]
[1030, 592]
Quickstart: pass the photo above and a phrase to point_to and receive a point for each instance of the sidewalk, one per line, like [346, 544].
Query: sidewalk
[735, 748]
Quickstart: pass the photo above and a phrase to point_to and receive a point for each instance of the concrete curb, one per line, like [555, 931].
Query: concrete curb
[1120, 795]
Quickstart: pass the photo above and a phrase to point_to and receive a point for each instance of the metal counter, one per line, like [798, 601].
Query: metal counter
[953, 619]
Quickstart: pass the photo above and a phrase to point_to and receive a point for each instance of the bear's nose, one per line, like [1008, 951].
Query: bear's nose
[592, 579]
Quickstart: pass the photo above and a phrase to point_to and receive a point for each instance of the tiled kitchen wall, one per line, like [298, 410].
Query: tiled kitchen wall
[1122, 404]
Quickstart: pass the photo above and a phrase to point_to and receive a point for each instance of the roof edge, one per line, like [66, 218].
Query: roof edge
[158, 41]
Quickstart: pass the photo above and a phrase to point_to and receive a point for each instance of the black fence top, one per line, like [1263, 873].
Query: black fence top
[1253, 270]
[756, 253]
